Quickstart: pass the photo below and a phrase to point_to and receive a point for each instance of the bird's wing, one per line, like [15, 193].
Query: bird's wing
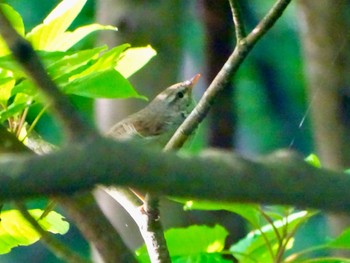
[136, 128]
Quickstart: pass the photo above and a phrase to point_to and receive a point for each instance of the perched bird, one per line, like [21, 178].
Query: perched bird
[157, 122]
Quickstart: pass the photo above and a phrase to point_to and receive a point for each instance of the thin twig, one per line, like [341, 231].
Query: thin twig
[270, 221]
[21, 121]
[76, 128]
[225, 74]
[268, 21]
[237, 20]
[58, 248]
[154, 234]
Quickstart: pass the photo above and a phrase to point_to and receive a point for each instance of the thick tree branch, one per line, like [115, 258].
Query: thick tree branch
[76, 128]
[228, 70]
[279, 179]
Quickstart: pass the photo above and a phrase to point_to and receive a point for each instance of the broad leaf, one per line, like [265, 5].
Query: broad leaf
[17, 23]
[313, 160]
[16, 231]
[68, 39]
[106, 61]
[6, 85]
[104, 84]
[43, 36]
[342, 241]
[253, 247]
[133, 59]
[13, 110]
[193, 242]
[52, 34]
[72, 61]
[248, 211]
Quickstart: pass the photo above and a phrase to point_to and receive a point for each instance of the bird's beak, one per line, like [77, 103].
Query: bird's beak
[194, 80]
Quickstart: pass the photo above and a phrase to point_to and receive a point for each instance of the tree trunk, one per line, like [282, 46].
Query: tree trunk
[324, 27]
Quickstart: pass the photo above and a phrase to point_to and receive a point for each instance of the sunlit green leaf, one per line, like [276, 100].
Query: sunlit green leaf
[6, 85]
[17, 23]
[107, 61]
[248, 211]
[103, 84]
[68, 39]
[342, 241]
[192, 242]
[72, 61]
[16, 231]
[13, 110]
[313, 160]
[26, 87]
[133, 59]
[200, 258]
[254, 248]
[44, 36]
[7, 82]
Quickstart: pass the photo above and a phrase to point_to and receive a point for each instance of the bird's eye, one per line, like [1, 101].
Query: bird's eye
[180, 94]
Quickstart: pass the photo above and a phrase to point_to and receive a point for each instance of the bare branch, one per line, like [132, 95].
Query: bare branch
[225, 74]
[76, 128]
[279, 179]
[268, 21]
[237, 20]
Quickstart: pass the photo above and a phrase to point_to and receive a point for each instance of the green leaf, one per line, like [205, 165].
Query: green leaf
[44, 36]
[16, 22]
[26, 87]
[71, 61]
[16, 231]
[133, 59]
[313, 160]
[107, 61]
[68, 39]
[253, 247]
[104, 84]
[7, 82]
[248, 211]
[200, 258]
[342, 241]
[194, 242]
[13, 110]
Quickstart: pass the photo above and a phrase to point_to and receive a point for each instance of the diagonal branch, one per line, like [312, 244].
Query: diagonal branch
[76, 128]
[224, 76]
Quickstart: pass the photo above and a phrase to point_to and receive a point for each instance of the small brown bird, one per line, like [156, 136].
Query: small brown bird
[158, 121]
